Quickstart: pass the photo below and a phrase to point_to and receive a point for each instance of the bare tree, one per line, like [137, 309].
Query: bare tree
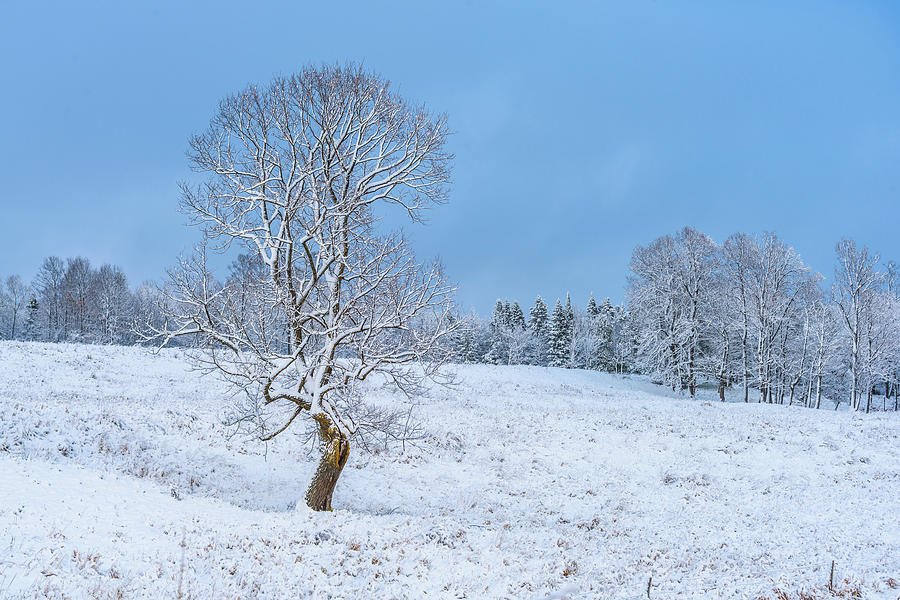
[856, 286]
[892, 288]
[76, 294]
[881, 343]
[112, 303]
[779, 282]
[825, 346]
[652, 302]
[49, 285]
[17, 294]
[798, 340]
[721, 319]
[295, 171]
[740, 253]
[670, 291]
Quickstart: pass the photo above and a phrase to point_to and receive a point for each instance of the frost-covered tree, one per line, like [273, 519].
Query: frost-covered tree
[881, 343]
[780, 285]
[511, 340]
[294, 173]
[857, 283]
[740, 255]
[752, 312]
[84, 304]
[624, 340]
[539, 325]
[824, 351]
[576, 333]
[4, 313]
[76, 296]
[150, 310]
[48, 284]
[17, 294]
[583, 332]
[499, 352]
[472, 339]
[31, 329]
[516, 316]
[538, 318]
[559, 337]
[719, 348]
[520, 341]
[113, 305]
[670, 296]
[605, 329]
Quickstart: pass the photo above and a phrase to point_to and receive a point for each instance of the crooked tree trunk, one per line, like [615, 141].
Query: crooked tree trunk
[335, 452]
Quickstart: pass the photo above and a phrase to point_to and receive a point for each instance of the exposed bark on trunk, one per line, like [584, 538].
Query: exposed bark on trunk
[335, 453]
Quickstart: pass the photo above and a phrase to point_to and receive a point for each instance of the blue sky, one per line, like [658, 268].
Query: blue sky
[582, 129]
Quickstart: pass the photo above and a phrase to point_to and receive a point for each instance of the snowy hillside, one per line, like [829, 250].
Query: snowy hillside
[118, 480]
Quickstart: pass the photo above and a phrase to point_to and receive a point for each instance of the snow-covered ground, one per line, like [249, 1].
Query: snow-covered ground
[118, 480]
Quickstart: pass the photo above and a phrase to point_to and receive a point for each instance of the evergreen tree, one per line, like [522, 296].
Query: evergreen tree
[516, 317]
[497, 317]
[592, 309]
[538, 318]
[571, 362]
[32, 319]
[606, 327]
[539, 324]
[591, 350]
[559, 338]
[465, 349]
[499, 352]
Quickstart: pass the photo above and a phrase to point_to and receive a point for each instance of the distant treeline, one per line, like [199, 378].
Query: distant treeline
[593, 337]
[70, 300]
[745, 314]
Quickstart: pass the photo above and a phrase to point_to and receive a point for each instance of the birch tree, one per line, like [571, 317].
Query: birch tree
[856, 285]
[740, 253]
[826, 341]
[881, 343]
[778, 282]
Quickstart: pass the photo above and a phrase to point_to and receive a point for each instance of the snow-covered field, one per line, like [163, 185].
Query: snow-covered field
[118, 480]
